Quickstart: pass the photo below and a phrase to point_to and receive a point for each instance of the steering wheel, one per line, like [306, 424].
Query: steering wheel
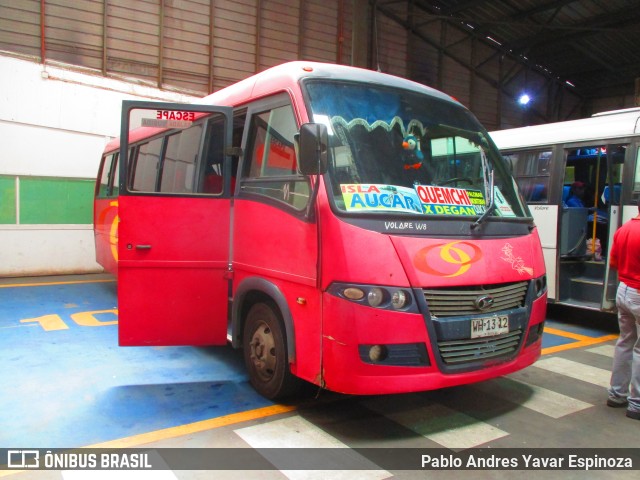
[456, 180]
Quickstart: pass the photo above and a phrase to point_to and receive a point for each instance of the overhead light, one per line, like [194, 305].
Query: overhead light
[524, 99]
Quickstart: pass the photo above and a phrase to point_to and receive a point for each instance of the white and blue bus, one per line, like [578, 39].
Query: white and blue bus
[581, 179]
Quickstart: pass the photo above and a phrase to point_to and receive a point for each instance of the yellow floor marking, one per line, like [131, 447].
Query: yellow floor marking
[579, 344]
[44, 284]
[562, 333]
[189, 428]
[180, 430]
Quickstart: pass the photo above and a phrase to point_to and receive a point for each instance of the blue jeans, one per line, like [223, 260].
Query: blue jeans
[625, 377]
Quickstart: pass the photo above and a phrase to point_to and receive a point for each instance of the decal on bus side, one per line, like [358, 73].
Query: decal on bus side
[113, 233]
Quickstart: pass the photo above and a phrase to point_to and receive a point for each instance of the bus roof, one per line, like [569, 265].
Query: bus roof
[283, 77]
[601, 126]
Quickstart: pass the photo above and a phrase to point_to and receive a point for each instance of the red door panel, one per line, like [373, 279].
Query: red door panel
[171, 281]
[173, 249]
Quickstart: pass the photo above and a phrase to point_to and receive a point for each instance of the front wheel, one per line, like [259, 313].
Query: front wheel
[265, 353]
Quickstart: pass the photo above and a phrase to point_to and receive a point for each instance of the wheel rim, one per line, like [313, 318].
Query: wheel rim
[263, 352]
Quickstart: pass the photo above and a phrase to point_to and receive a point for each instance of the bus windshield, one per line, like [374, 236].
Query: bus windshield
[402, 152]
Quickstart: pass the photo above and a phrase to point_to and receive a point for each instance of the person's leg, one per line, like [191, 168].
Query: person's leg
[633, 410]
[621, 372]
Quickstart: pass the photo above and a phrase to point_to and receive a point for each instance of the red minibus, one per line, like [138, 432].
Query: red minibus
[345, 227]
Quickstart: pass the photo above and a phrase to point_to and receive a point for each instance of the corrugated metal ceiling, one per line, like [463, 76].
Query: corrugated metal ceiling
[592, 44]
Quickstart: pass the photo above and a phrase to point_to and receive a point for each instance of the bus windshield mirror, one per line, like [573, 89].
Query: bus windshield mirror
[312, 149]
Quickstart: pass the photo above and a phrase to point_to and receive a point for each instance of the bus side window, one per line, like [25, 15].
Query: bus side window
[532, 173]
[271, 155]
[636, 180]
[114, 187]
[213, 160]
[107, 175]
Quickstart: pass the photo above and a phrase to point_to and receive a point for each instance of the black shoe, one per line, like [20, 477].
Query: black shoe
[633, 414]
[616, 403]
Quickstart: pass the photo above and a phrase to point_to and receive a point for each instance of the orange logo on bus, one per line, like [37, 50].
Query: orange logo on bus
[113, 233]
[461, 255]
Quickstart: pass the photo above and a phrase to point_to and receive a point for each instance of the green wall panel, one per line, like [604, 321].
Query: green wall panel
[56, 200]
[8, 200]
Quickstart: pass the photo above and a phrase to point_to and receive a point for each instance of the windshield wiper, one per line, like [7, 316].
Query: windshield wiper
[490, 207]
[488, 179]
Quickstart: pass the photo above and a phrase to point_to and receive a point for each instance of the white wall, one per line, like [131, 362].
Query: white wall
[54, 122]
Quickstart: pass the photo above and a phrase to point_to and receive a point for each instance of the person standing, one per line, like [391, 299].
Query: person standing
[625, 377]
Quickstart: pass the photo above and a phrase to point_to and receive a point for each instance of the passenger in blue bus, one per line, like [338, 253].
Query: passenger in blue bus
[576, 195]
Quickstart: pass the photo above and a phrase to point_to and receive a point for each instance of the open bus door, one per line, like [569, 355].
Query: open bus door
[585, 278]
[173, 245]
[617, 157]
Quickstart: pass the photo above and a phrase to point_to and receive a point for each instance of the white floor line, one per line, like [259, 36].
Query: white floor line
[449, 428]
[606, 350]
[579, 371]
[296, 432]
[539, 399]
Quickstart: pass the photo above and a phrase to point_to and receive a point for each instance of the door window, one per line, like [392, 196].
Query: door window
[180, 161]
[270, 168]
[636, 181]
[147, 165]
[172, 163]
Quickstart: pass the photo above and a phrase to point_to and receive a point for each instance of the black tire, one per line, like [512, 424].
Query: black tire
[265, 353]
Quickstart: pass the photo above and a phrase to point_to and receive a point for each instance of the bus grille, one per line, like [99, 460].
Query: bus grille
[461, 301]
[474, 349]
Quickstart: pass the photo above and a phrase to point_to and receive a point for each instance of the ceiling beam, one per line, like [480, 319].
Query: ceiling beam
[467, 64]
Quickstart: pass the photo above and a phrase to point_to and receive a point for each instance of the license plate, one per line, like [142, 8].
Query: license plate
[489, 326]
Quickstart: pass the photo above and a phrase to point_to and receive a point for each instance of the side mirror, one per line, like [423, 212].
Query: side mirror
[313, 140]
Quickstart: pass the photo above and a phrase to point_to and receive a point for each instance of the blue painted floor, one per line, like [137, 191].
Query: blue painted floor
[550, 340]
[65, 382]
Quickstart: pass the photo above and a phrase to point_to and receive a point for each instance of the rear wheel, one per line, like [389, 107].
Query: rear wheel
[265, 353]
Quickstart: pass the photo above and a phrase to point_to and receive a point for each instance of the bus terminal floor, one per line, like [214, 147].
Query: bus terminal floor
[65, 383]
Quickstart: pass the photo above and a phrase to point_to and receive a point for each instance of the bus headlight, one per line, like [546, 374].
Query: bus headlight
[375, 297]
[389, 298]
[398, 299]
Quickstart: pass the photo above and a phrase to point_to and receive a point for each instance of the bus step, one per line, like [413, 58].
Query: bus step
[586, 289]
[594, 269]
[588, 305]
[587, 281]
